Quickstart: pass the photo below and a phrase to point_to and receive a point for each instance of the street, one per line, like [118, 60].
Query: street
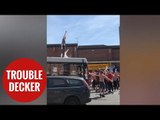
[109, 99]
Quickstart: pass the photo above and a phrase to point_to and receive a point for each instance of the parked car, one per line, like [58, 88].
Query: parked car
[67, 90]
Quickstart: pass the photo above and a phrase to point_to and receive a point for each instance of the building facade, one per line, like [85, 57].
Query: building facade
[98, 56]
[54, 50]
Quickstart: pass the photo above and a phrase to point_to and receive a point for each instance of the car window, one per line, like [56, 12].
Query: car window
[74, 82]
[56, 82]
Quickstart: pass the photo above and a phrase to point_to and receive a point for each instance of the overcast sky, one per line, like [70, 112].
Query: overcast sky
[84, 29]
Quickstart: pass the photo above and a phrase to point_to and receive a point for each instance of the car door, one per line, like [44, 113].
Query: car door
[56, 90]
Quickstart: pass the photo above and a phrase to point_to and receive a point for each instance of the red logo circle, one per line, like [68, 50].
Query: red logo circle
[24, 80]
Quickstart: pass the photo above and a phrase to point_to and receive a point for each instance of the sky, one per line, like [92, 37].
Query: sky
[84, 29]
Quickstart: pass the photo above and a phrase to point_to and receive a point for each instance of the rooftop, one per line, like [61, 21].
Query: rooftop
[97, 46]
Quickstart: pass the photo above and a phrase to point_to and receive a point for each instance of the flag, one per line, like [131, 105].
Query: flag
[63, 44]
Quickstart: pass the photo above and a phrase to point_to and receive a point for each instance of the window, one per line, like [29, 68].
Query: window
[56, 82]
[74, 82]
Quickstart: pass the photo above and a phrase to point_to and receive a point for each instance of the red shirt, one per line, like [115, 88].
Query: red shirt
[110, 76]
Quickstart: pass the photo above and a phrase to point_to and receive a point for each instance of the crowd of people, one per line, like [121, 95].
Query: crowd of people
[104, 81]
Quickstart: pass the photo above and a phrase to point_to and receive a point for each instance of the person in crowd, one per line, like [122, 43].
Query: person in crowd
[101, 83]
[92, 78]
[109, 80]
[106, 82]
[115, 80]
[118, 80]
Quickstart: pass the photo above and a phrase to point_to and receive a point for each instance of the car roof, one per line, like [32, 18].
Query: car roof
[69, 77]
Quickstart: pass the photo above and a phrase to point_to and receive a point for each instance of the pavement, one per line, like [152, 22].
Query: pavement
[109, 99]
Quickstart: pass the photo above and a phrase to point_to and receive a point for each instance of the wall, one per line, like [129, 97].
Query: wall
[94, 54]
[55, 50]
[139, 57]
[100, 54]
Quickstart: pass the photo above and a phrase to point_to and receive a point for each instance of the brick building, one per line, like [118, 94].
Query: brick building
[98, 56]
[54, 50]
